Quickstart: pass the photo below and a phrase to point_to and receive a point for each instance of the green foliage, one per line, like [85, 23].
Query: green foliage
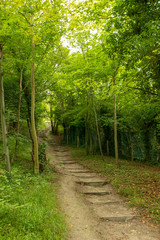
[115, 51]
[28, 208]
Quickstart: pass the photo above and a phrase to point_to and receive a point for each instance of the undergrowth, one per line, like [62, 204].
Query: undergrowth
[28, 204]
[137, 183]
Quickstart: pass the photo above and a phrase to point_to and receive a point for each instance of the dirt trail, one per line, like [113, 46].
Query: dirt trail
[93, 211]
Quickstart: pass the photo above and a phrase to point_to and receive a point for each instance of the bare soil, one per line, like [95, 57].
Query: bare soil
[93, 210]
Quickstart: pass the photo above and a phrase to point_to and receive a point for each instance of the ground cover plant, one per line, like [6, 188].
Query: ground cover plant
[28, 206]
[138, 183]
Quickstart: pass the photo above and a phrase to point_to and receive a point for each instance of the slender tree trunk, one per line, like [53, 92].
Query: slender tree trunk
[115, 124]
[131, 147]
[30, 134]
[107, 148]
[147, 145]
[67, 137]
[51, 119]
[86, 136]
[34, 134]
[132, 153]
[95, 144]
[3, 121]
[19, 114]
[99, 138]
[78, 141]
[64, 133]
[96, 119]
[56, 128]
[91, 145]
[87, 130]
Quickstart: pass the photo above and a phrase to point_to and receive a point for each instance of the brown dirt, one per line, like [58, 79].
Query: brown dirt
[93, 216]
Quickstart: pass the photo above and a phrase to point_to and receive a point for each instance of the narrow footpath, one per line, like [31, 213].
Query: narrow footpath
[93, 210]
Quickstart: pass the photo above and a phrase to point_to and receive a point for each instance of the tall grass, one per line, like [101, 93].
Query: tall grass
[28, 204]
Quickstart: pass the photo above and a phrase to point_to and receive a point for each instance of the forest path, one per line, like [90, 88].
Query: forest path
[93, 211]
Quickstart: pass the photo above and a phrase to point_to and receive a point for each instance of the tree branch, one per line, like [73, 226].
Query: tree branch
[26, 19]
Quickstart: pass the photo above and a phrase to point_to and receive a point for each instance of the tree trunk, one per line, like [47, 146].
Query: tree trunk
[115, 130]
[51, 119]
[78, 141]
[95, 144]
[115, 124]
[86, 137]
[132, 154]
[19, 114]
[147, 144]
[99, 138]
[56, 128]
[132, 151]
[3, 120]
[67, 139]
[107, 148]
[30, 134]
[96, 120]
[91, 145]
[34, 134]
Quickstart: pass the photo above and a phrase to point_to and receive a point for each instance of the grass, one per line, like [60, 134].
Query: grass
[137, 183]
[28, 204]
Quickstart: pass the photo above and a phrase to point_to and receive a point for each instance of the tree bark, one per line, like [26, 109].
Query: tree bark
[95, 144]
[19, 114]
[77, 141]
[87, 130]
[132, 154]
[147, 145]
[30, 133]
[99, 138]
[86, 136]
[3, 120]
[131, 146]
[67, 138]
[96, 120]
[34, 134]
[115, 125]
[51, 119]
[56, 127]
[91, 145]
[107, 148]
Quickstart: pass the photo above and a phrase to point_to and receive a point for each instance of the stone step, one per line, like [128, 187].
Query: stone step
[62, 155]
[70, 168]
[84, 177]
[92, 182]
[99, 193]
[99, 200]
[67, 162]
[118, 218]
[78, 171]
[66, 155]
[114, 212]
[65, 158]
[90, 190]
[59, 150]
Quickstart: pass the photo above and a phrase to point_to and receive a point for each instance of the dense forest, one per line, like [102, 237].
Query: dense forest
[89, 68]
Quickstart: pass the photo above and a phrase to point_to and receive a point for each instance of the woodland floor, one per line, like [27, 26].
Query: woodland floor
[93, 210]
